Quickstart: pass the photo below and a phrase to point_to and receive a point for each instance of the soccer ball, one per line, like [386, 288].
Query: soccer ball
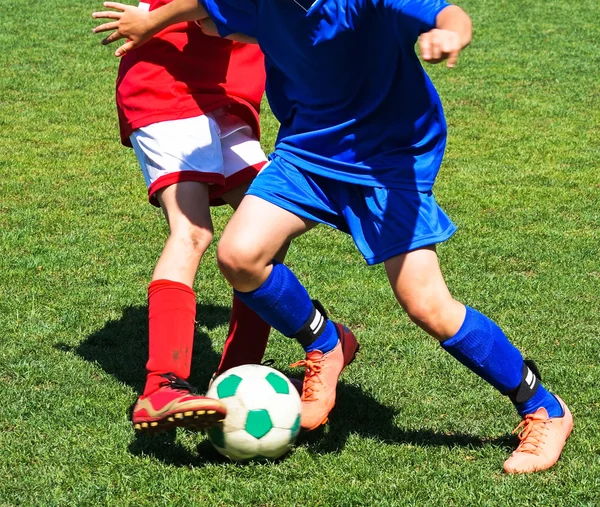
[263, 413]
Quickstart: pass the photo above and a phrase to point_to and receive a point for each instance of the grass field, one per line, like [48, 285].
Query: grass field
[78, 244]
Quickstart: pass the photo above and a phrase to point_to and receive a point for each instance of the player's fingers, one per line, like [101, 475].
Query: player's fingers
[112, 38]
[425, 46]
[452, 58]
[107, 14]
[106, 27]
[436, 48]
[116, 5]
[125, 48]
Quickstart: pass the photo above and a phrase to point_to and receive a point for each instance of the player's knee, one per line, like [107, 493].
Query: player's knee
[237, 260]
[201, 239]
[193, 240]
[427, 313]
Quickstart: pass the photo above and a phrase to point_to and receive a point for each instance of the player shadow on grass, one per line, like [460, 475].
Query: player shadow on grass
[120, 348]
[358, 413]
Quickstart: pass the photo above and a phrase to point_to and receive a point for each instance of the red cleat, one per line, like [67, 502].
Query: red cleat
[173, 405]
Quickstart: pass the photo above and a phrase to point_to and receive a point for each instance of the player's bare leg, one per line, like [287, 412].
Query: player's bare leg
[248, 333]
[167, 400]
[420, 288]
[249, 243]
[186, 209]
[480, 344]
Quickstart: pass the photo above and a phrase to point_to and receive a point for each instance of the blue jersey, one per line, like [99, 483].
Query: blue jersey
[343, 79]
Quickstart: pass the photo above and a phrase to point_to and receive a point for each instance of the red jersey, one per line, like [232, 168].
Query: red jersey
[181, 73]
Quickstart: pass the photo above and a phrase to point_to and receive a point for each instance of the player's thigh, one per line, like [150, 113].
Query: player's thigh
[258, 231]
[186, 207]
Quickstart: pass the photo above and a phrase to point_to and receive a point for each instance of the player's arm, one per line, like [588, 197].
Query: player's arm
[452, 33]
[209, 27]
[139, 26]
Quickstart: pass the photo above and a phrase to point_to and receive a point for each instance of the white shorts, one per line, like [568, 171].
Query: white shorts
[218, 149]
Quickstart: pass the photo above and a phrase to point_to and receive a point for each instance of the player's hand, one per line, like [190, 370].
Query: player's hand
[439, 45]
[129, 23]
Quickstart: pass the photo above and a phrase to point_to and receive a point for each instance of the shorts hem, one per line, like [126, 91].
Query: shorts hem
[235, 180]
[178, 177]
[289, 206]
[413, 244]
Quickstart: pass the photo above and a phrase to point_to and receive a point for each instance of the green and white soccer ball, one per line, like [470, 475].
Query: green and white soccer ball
[263, 413]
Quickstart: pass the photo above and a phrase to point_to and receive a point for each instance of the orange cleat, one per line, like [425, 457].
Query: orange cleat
[321, 376]
[542, 440]
[173, 405]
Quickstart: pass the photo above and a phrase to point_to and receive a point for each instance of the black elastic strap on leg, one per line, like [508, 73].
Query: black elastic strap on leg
[317, 304]
[530, 381]
[313, 327]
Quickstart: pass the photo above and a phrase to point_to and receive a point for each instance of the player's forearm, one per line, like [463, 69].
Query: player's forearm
[240, 37]
[209, 27]
[453, 18]
[176, 11]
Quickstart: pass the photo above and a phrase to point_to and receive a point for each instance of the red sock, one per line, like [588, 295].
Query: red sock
[171, 319]
[247, 338]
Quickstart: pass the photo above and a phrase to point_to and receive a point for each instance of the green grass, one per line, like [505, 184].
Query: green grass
[412, 427]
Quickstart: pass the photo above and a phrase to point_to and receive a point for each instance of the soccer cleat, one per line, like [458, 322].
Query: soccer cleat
[174, 405]
[542, 440]
[321, 376]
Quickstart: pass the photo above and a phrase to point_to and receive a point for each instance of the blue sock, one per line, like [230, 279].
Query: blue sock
[482, 347]
[541, 398]
[282, 301]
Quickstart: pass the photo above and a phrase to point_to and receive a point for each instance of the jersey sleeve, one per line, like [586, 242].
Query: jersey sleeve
[424, 12]
[232, 16]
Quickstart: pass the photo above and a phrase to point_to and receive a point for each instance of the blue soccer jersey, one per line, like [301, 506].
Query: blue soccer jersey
[346, 85]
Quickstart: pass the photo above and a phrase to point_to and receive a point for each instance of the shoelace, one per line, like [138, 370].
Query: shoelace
[175, 382]
[311, 378]
[532, 433]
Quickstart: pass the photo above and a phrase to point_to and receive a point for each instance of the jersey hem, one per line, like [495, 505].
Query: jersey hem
[238, 107]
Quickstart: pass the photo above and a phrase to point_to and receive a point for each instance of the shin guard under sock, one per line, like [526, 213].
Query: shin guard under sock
[482, 347]
[247, 337]
[283, 302]
[171, 319]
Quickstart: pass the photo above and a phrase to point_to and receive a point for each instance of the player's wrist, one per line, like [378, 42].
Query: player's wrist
[155, 21]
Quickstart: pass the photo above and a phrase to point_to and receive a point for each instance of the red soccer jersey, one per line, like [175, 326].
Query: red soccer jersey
[181, 73]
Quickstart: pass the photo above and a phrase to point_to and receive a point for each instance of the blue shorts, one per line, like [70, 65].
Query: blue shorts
[384, 222]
